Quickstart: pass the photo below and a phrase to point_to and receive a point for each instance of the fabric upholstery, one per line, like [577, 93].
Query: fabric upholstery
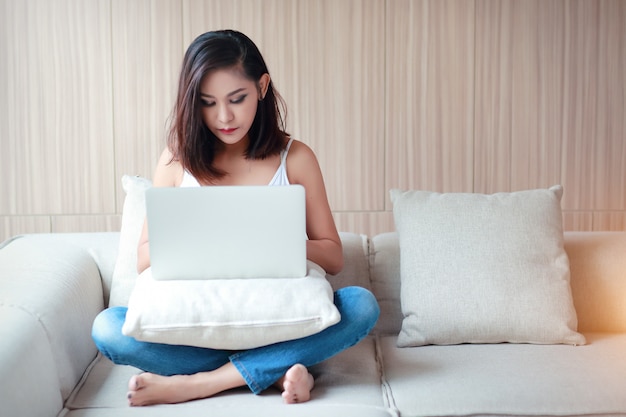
[508, 379]
[385, 269]
[598, 285]
[272, 410]
[346, 383]
[24, 352]
[63, 291]
[355, 271]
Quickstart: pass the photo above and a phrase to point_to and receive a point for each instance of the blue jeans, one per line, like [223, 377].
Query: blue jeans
[260, 367]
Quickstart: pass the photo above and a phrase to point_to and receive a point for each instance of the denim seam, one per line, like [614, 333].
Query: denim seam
[252, 384]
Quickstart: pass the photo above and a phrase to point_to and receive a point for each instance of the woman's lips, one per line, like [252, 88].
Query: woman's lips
[227, 131]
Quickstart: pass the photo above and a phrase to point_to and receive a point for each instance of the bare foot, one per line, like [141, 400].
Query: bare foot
[297, 385]
[148, 389]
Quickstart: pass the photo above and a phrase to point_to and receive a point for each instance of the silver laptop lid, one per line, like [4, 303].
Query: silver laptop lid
[227, 232]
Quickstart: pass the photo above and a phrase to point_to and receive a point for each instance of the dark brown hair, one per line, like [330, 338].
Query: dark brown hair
[189, 139]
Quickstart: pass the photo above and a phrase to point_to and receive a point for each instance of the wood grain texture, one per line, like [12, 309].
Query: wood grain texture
[56, 123]
[612, 220]
[148, 52]
[373, 222]
[578, 220]
[17, 225]
[85, 223]
[430, 103]
[518, 95]
[442, 95]
[550, 99]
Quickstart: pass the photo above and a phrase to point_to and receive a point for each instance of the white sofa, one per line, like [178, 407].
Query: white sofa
[53, 285]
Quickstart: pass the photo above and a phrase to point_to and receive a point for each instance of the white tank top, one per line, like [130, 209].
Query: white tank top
[280, 177]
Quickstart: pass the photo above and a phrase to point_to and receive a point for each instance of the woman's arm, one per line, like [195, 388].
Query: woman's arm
[166, 174]
[324, 245]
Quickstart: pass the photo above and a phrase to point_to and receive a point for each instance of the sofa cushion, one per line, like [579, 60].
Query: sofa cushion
[345, 385]
[385, 270]
[479, 268]
[356, 266]
[507, 379]
[270, 410]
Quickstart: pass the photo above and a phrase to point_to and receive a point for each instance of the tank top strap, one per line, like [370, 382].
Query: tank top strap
[280, 178]
[189, 180]
[283, 154]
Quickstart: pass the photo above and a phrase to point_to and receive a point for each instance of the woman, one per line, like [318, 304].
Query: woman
[227, 129]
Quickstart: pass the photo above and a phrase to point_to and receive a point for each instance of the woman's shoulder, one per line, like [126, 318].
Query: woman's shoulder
[169, 171]
[301, 161]
[299, 149]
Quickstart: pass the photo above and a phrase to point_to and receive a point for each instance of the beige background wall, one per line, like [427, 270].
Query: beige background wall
[443, 95]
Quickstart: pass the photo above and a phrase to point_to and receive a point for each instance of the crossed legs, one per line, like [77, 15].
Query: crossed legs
[181, 373]
[148, 388]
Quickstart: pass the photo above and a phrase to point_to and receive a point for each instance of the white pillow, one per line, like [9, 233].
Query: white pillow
[479, 268]
[230, 314]
[133, 216]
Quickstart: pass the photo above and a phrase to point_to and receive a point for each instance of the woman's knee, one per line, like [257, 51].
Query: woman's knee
[358, 305]
[106, 330]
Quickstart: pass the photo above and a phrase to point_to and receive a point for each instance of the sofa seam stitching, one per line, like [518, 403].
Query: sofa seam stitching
[388, 397]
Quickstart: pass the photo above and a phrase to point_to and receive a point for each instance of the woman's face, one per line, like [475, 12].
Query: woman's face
[229, 103]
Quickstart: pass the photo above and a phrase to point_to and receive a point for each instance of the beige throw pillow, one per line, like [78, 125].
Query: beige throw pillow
[479, 268]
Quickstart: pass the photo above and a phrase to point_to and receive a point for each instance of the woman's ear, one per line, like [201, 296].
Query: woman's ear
[264, 84]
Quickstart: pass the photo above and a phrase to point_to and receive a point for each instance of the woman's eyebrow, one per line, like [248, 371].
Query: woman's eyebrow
[237, 91]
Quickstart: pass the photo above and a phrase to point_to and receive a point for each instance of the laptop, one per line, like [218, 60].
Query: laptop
[227, 232]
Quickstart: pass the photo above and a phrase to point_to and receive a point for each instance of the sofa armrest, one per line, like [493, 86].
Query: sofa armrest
[29, 385]
[598, 279]
[58, 284]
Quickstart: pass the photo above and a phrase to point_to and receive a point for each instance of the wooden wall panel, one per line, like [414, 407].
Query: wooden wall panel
[148, 51]
[549, 108]
[326, 58]
[430, 103]
[578, 220]
[519, 94]
[369, 223]
[607, 123]
[613, 220]
[450, 95]
[17, 225]
[85, 223]
[55, 108]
